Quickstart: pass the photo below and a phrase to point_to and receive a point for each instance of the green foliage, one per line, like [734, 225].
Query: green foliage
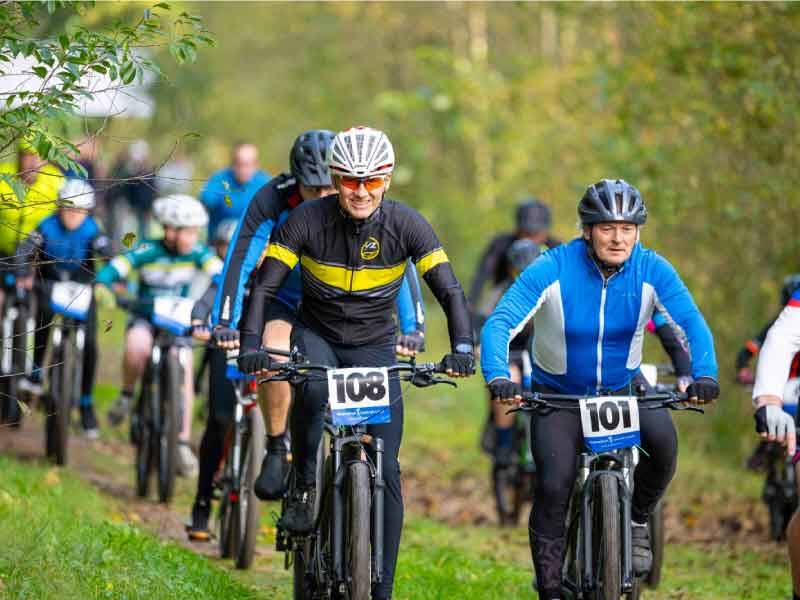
[63, 51]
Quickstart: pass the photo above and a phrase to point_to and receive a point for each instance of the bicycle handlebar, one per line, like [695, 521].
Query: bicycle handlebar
[542, 402]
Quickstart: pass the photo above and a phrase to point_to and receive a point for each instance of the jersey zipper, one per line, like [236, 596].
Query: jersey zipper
[602, 325]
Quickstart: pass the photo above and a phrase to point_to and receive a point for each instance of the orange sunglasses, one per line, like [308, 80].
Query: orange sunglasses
[370, 183]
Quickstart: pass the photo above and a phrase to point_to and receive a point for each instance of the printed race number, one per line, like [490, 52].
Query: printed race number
[610, 422]
[173, 313]
[359, 395]
[71, 299]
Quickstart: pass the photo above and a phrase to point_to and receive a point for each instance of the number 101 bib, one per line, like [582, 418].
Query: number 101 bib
[359, 396]
[610, 422]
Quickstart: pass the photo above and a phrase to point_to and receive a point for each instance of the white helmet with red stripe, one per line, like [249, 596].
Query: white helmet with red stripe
[361, 152]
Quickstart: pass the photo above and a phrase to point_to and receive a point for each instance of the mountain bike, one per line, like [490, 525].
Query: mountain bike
[598, 560]
[70, 302]
[158, 415]
[16, 329]
[343, 555]
[780, 489]
[239, 509]
[513, 484]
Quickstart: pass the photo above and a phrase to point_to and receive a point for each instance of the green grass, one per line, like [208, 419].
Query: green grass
[59, 542]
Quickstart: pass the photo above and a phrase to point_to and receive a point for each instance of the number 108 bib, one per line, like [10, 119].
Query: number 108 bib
[610, 422]
[359, 396]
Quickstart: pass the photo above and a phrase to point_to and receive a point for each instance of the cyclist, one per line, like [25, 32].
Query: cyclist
[228, 191]
[308, 179]
[62, 247]
[590, 301]
[166, 266]
[745, 375]
[533, 220]
[773, 423]
[353, 247]
[221, 396]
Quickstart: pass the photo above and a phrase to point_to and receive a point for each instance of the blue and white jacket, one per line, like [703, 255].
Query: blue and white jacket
[588, 330]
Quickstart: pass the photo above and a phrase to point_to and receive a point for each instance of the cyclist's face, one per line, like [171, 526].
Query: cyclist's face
[222, 249]
[312, 193]
[185, 239]
[245, 162]
[360, 202]
[29, 163]
[612, 242]
[71, 218]
[169, 236]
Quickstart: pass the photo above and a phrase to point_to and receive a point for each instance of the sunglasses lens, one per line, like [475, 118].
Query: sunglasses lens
[372, 184]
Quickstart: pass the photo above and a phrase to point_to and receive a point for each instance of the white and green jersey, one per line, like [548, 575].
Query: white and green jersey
[161, 272]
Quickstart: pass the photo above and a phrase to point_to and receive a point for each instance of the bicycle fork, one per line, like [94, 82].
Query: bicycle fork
[338, 505]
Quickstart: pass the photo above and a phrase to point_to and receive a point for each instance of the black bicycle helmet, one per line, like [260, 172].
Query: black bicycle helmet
[533, 216]
[790, 284]
[522, 253]
[307, 158]
[612, 200]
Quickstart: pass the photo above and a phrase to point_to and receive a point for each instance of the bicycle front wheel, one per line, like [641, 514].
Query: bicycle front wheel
[606, 539]
[170, 425]
[60, 405]
[248, 508]
[357, 547]
[143, 437]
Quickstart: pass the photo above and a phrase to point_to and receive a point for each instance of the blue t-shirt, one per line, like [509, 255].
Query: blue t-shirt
[223, 183]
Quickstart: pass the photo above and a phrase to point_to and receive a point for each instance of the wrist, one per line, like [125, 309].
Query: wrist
[250, 341]
[766, 400]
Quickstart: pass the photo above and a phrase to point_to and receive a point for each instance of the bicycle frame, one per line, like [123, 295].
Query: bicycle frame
[245, 402]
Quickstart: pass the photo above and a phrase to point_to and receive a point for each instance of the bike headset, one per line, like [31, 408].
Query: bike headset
[611, 201]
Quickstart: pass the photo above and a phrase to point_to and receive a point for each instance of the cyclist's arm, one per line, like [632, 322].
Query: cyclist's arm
[410, 306]
[27, 252]
[101, 247]
[518, 305]
[485, 270]
[435, 268]
[780, 346]
[673, 346]
[120, 267]
[249, 241]
[673, 300]
[209, 262]
[202, 307]
[752, 347]
[283, 254]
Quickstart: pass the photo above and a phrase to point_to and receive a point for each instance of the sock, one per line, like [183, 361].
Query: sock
[86, 400]
[276, 443]
[503, 436]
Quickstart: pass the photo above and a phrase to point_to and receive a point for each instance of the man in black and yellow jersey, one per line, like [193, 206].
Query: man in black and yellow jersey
[352, 247]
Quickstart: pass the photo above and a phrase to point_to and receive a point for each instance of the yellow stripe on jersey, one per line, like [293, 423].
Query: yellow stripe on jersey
[430, 260]
[283, 254]
[353, 280]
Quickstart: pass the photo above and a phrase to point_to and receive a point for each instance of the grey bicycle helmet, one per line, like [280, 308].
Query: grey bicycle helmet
[522, 253]
[533, 216]
[612, 200]
[307, 158]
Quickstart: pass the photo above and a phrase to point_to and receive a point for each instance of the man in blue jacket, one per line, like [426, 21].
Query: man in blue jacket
[228, 191]
[590, 301]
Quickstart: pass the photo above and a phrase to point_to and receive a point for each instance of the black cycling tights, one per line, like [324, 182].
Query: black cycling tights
[306, 423]
[556, 439]
[221, 401]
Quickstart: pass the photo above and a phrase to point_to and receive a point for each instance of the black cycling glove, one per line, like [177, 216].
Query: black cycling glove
[254, 361]
[413, 342]
[461, 364]
[223, 334]
[705, 389]
[503, 389]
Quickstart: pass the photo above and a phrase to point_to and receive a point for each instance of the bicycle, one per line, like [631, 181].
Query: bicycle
[158, 415]
[70, 302]
[343, 555]
[239, 509]
[780, 491]
[598, 561]
[17, 327]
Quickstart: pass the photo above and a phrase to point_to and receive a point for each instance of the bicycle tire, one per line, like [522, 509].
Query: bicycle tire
[606, 538]
[225, 518]
[61, 395]
[13, 410]
[307, 572]
[657, 541]
[505, 489]
[357, 532]
[144, 437]
[171, 396]
[249, 509]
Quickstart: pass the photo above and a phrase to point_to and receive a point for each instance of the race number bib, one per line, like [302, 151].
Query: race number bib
[71, 299]
[359, 396]
[173, 313]
[610, 422]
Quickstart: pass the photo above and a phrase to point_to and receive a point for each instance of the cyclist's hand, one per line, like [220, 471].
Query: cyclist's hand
[200, 330]
[254, 362]
[104, 297]
[683, 382]
[410, 344]
[505, 391]
[226, 337]
[745, 376]
[459, 364]
[25, 283]
[776, 425]
[703, 390]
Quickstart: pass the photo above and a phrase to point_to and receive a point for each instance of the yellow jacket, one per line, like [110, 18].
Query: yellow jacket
[18, 219]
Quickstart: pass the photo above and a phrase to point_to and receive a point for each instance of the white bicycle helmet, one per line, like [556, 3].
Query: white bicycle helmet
[180, 210]
[361, 152]
[224, 231]
[76, 193]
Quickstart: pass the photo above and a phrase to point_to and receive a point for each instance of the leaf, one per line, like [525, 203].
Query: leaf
[228, 201]
[40, 71]
[128, 239]
[99, 69]
[63, 40]
[108, 325]
[163, 5]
